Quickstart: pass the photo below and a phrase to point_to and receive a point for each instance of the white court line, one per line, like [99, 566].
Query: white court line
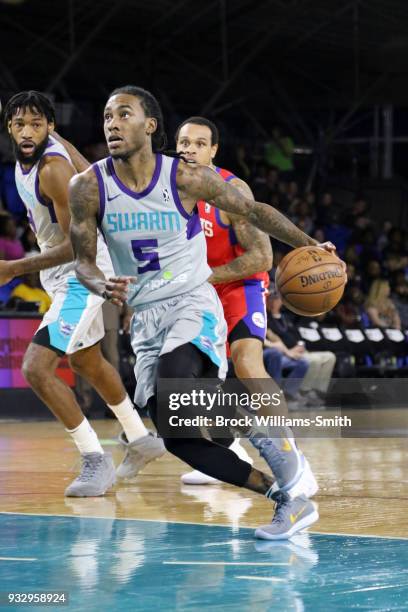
[373, 588]
[357, 535]
[237, 540]
[265, 578]
[228, 525]
[17, 559]
[223, 563]
[121, 518]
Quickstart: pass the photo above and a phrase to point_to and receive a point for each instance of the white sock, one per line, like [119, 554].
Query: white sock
[85, 438]
[130, 420]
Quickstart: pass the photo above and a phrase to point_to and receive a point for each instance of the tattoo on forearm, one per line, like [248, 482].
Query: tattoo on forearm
[83, 228]
[203, 183]
[278, 226]
[83, 232]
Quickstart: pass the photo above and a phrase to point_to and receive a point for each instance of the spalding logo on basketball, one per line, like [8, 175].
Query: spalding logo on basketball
[310, 281]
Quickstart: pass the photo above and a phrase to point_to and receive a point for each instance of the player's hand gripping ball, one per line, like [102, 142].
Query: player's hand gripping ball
[310, 280]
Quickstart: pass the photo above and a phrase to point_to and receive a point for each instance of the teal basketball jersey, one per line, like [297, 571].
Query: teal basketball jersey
[150, 235]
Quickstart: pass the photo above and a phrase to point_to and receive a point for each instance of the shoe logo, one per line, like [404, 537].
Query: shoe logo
[286, 445]
[294, 517]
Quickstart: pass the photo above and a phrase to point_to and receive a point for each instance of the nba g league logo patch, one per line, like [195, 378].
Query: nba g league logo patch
[66, 329]
[258, 319]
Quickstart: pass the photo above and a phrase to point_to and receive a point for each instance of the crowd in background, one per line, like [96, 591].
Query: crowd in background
[376, 257]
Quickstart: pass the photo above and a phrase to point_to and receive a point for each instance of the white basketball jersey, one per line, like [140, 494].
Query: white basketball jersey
[41, 214]
[150, 235]
[43, 220]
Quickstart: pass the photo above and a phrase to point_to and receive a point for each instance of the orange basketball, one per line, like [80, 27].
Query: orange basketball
[310, 281]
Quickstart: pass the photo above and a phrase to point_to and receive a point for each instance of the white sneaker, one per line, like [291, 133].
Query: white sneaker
[199, 478]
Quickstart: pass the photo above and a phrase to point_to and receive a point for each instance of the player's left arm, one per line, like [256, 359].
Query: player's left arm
[257, 246]
[201, 183]
[54, 177]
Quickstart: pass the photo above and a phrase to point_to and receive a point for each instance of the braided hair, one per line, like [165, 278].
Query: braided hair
[151, 108]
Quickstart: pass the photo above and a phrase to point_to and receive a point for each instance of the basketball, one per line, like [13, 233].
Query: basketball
[310, 281]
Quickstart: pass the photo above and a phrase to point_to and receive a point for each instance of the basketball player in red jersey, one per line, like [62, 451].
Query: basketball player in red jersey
[240, 256]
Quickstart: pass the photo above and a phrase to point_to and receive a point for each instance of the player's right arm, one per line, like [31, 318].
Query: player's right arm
[200, 183]
[84, 205]
[196, 182]
[54, 177]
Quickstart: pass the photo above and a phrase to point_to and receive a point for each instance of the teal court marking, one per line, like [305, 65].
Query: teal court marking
[127, 564]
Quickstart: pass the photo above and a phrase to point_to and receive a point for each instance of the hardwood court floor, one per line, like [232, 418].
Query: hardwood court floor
[363, 483]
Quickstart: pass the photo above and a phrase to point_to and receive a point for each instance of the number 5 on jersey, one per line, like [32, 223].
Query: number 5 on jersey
[139, 248]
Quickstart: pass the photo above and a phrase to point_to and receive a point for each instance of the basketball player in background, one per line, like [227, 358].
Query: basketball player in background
[145, 203]
[240, 255]
[73, 325]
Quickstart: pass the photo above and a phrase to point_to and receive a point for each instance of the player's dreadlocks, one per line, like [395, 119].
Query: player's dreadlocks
[151, 108]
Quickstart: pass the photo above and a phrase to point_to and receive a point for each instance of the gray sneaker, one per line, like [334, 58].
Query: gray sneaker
[96, 477]
[289, 466]
[139, 453]
[291, 516]
[283, 457]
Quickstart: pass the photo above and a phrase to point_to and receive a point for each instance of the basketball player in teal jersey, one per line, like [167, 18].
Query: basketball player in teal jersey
[145, 204]
[73, 325]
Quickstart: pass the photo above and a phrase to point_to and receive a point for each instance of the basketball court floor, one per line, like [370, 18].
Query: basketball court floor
[155, 543]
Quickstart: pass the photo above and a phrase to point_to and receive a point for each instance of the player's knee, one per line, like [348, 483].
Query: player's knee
[85, 365]
[167, 367]
[33, 371]
[185, 361]
[78, 365]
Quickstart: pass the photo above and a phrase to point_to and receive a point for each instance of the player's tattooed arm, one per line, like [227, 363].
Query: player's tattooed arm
[200, 183]
[84, 205]
[257, 246]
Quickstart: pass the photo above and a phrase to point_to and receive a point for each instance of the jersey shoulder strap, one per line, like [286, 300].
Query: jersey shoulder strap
[225, 174]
